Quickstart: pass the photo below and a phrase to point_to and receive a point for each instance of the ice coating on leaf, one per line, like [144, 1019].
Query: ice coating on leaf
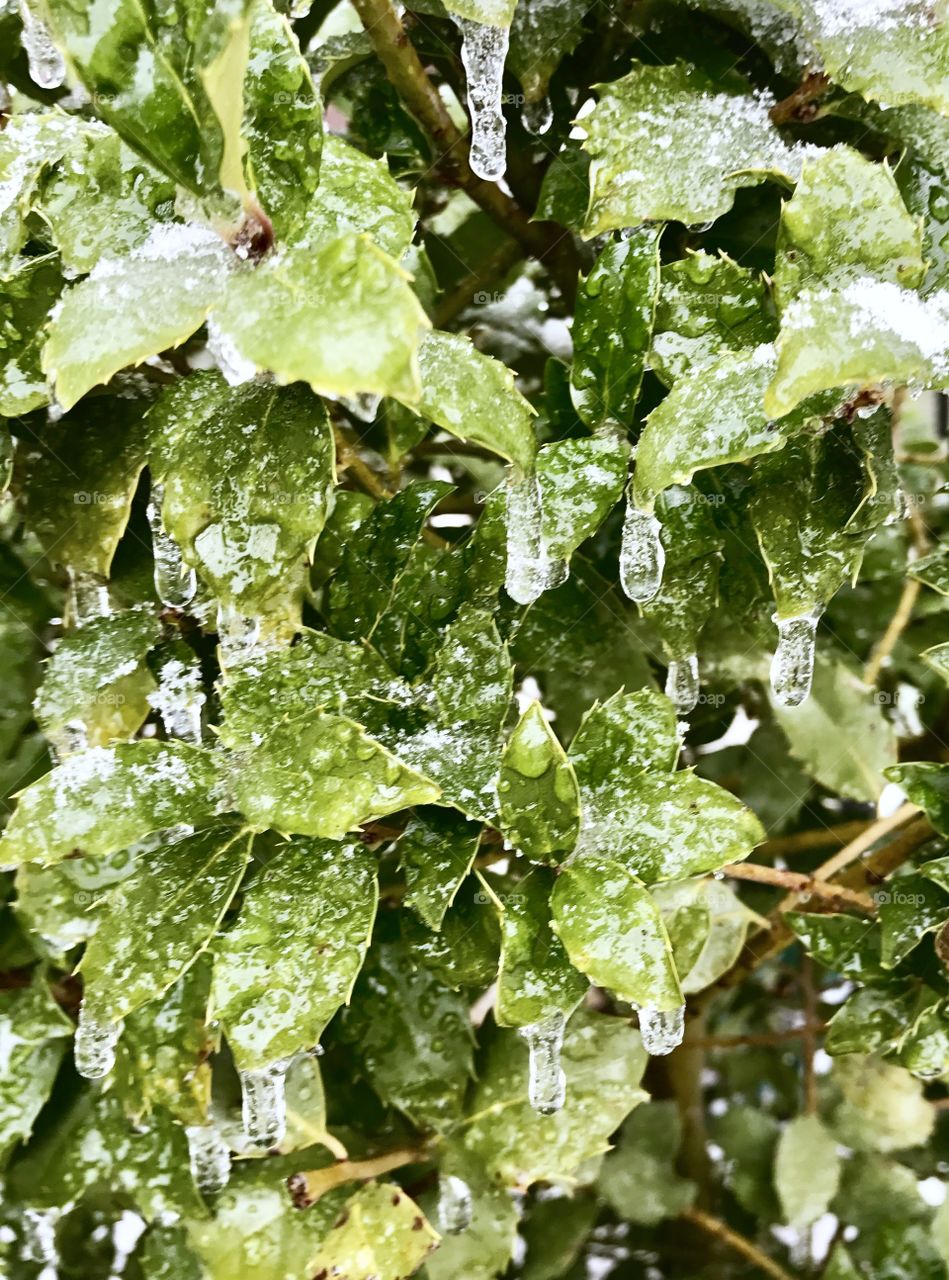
[210, 1157]
[179, 699]
[547, 1083]
[94, 1049]
[454, 1205]
[47, 67]
[642, 556]
[264, 1103]
[483, 51]
[682, 683]
[792, 667]
[662, 1031]
[527, 571]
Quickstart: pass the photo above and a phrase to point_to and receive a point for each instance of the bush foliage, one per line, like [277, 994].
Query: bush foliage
[474, 735]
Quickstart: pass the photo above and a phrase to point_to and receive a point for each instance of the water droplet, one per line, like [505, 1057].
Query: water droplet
[682, 683]
[94, 1047]
[238, 635]
[483, 51]
[454, 1205]
[88, 597]
[537, 117]
[235, 368]
[662, 1031]
[210, 1157]
[547, 1084]
[642, 556]
[527, 564]
[47, 68]
[39, 1236]
[792, 667]
[264, 1103]
[175, 583]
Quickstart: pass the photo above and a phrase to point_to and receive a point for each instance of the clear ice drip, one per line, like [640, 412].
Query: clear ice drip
[662, 1032]
[175, 583]
[238, 635]
[547, 1084]
[47, 68]
[682, 683]
[210, 1157]
[483, 51]
[528, 568]
[454, 1205]
[94, 1048]
[88, 597]
[264, 1103]
[537, 117]
[792, 667]
[39, 1236]
[642, 556]
[178, 700]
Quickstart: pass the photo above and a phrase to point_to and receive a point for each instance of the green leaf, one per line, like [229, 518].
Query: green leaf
[464, 953]
[906, 1250]
[707, 924]
[290, 961]
[341, 316]
[840, 734]
[436, 852]
[868, 1022]
[28, 298]
[411, 1034]
[556, 1232]
[35, 1032]
[212, 444]
[494, 13]
[603, 1061]
[669, 144]
[910, 907]
[535, 978]
[182, 270]
[638, 1178]
[542, 35]
[358, 195]
[322, 775]
[884, 1108]
[177, 898]
[846, 944]
[474, 397]
[167, 86]
[540, 800]
[580, 483]
[380, 1233]
[106, 798]
[806, 1170]
[932, 571]
[612, 329]
[483, 1250]
[927, 785]
[613, 932]
[565, 190]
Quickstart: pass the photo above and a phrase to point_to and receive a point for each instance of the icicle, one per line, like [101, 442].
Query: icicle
[235, 368]
[39, 1236]
[237, 633]
[175, 583]
[547, 1085]
[483, 51]
[662, 1032]
[265, 1103]
[47, 68]
[682, 683]
[178, 700]
[88, 597]
[792, 667]
[454, 1205]
[527, 564]
[210, 1157]
[537, 117]
[94, 1048]
[642, 556]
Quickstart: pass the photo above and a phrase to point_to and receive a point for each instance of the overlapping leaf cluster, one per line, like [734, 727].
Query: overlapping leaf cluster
[294, 788]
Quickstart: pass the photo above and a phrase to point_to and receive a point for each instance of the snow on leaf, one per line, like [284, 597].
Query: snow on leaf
[539, 798]
[535, 978]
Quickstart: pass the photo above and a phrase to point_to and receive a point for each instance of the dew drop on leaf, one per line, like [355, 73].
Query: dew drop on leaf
[47, 68]
[264, 1103]
[538, 117]
[454, 1205]
[642, 557]
[792, 667]
[175, 583]
[210, 1157]
[662, 1031]
[682, 683]
[547, 1084]
[94, 1048]
[483, 51]
[527, 564]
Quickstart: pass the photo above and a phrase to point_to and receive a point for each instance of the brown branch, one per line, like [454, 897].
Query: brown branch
[816, 838]
[800, 106]
[494, 268]
[759, 1039]
[308, 1186]
[898, 624]
[798, 884]
[739, 1244]
[867, 838]
[809, 990]
[542, 240]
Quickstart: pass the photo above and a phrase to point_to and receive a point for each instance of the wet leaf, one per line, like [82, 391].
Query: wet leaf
[540, 800]
[806, 1170]
[535, 978]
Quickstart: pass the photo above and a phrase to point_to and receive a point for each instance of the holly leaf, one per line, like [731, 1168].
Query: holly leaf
[536, 981]
[580, 481]
[36, 1032]
[436, 852]
[540, 800]
[29, 295]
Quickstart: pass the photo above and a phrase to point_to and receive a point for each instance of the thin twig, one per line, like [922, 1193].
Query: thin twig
[898, 624]
[867, 838]
[740, 1244]
[308, 1186]
[815, 838]
[798, 884]
[809, 990]
[759, 1039]
[494, 268]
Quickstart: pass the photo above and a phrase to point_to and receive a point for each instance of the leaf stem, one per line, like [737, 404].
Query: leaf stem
[309, 1185]
[738, 1243]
